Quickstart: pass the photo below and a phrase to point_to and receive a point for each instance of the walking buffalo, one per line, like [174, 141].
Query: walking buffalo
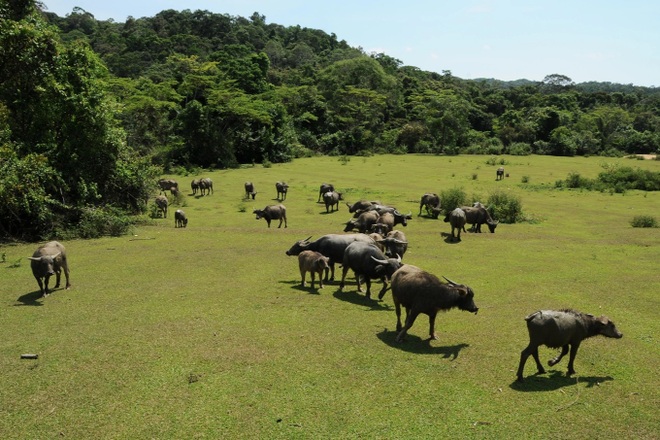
[325, 187]
[562, 328]
[456, 219]
[313, 262]
[395, 243]
[368, 261]
[477, 216]
[361, 205]
[419, 291]
[331, 200]
[167, 184]
[499, 174]
[161, 204]
[194, 186]
[330, 245]
[180, 219]
[282, 188]
[49, 259]
[205, 186]
[272, 212]
[431, 203]
[249, 190]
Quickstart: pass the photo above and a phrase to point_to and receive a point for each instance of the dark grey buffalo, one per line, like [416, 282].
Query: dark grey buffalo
[499, 174]
[363, 223]
[369, 262]
[331, 200]
[49, 259]
[394, 243]
[272, 212]
[249, 190]
[562, 328]
[325, 187]
[167, 184]
[194, 186]
[180, 219]
[161, 204]
[419, 291]
[314, 263]
[205, 186]
[361, 205]
[330, 245]
[456, 219]
[477, 216]
[282, 189]
[431, 203]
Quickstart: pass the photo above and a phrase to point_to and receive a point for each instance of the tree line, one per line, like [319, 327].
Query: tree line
[91, 111]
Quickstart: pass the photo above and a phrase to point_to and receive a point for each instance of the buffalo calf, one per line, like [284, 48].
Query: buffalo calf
[562, 328]
[314, 263]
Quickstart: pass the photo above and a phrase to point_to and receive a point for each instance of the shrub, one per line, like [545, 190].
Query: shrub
[520, 149]
[97, 222]
[452, 199]
[525, 179]
[505, 207]
[644, 221]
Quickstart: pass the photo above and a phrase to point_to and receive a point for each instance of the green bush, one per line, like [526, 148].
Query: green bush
[644, 221]
[97, 222]
[452, 199]
[505, 207]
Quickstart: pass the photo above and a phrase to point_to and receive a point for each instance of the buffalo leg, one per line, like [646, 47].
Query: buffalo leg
[312, 274]
[383, 290]
[397, 307]
[564, 352]
[529, 350]
[302, 275]
[432, 334]
[574, 349]
[344, 269]
[58, 275]
[367, 281]
[410, 320]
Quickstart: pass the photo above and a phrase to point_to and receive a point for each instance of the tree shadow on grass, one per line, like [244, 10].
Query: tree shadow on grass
[415, 344]
[555, 380]
[355, 297]
[31, 299]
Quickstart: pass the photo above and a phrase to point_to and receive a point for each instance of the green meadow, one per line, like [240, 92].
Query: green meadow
[205, 332]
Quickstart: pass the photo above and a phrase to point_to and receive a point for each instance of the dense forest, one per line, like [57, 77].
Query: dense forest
[92, 111]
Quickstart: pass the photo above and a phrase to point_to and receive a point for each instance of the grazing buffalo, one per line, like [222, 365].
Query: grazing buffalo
[456, 219]
[282, 188]
[369, 262]
[395, 243]
[477, 216]
[499, 173]
[249, 190]
[363, 223]
[161, 204]
[272, 212]
[205, 186]
[331, 200]
[314, 263]
[49, 259]
[562, 328]
[180, 219]
[167, 184]
[431, 203]
[325, 187]
[361, 205]
[419, 291]
[330, 245]
[194, 186]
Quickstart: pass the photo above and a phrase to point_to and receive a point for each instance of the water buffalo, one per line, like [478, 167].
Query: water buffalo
[368, 261]
[205, 186]
[49, 259]
[313, 262]
[282, 188]
[180, 219]
[431, 203]
[363, 223]
[331, 200]
[499, 174]
[395, 243]
[272, 212]
[477, 216]
[562, 328]
[325, 187]
[456, 219]
[330, 245]
[419, 291]
[167, 184]
[249, 190]
[361, 205]
[161, 204]
[194, 186]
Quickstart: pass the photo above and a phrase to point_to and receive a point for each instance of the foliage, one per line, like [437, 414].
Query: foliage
[644, 221]
[505, 207]
[615, 178]
[452, 198]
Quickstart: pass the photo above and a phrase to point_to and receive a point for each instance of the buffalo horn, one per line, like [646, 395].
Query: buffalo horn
[397, 241]
[449, 281]
[379, 261]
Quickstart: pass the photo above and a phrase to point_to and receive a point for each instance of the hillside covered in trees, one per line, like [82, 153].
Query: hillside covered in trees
[91, 111]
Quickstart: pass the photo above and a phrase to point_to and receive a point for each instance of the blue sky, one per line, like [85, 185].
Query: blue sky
[586, 40]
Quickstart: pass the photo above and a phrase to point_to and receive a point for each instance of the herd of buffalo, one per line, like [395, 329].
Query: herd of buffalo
[375, 251]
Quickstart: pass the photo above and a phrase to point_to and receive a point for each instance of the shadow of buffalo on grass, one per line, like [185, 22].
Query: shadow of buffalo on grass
[415, 344]
[448, 238]
[31, 299]
[355, 297]
[554, 380]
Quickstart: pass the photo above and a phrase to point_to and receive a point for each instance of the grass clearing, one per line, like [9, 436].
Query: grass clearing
[204, 332]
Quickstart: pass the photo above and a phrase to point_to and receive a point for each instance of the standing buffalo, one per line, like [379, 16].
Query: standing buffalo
[368, 261]
[282, 188]
[499, 173]
[325, 187]
[562, 328]
[395, 243]
[363, 223]
[205, 186]
[456, 219]
[431, 203]
[477, 216]
[331, 200]
[330, 245]
[422, 292]
[194, 186]
[49, 259]
[167, 184]
[361, 205]
[180, 219]
[161, 204]
[272, 212]
[249, 190]
[313, 262]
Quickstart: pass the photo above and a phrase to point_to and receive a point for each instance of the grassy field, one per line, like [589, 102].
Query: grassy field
[204, 332]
